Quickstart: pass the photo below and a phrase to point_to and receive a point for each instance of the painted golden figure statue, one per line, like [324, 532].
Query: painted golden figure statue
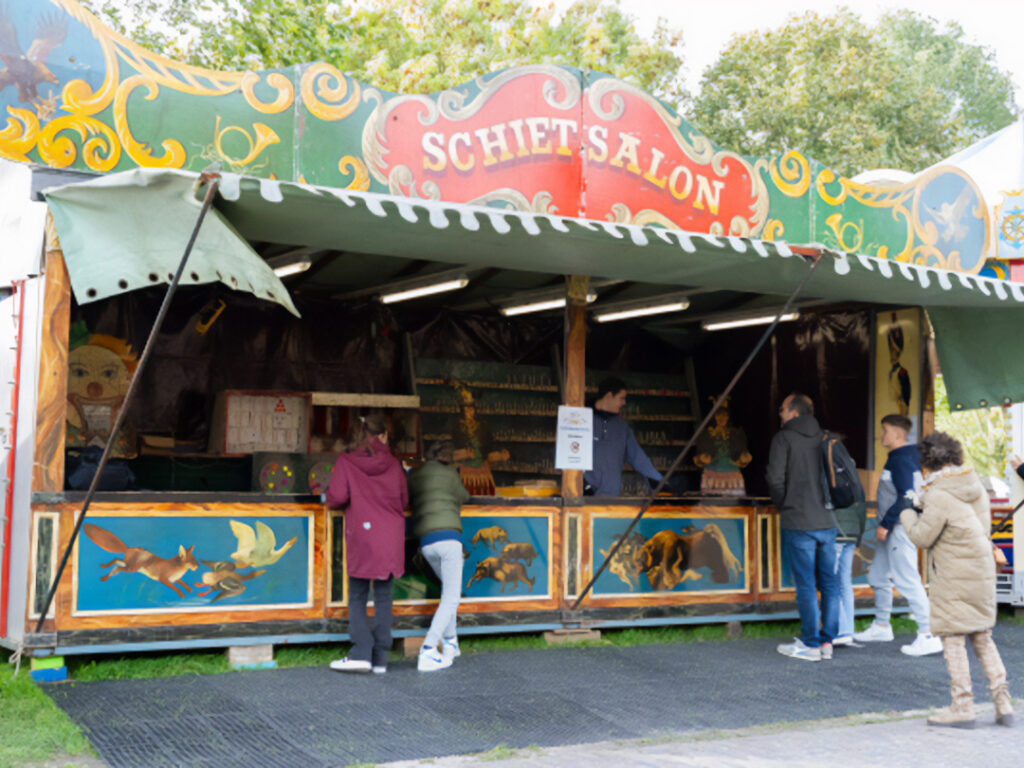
[722, 453]
[474, 448]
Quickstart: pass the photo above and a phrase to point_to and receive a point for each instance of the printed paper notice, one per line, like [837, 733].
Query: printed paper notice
[574, 446]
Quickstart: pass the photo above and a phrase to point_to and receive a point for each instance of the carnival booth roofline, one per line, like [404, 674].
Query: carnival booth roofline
[104, 225]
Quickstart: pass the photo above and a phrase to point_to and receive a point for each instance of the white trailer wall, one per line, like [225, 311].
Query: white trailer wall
[22, 223]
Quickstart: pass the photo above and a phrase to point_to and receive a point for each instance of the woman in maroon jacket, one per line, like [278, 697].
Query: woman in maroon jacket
[369, 482]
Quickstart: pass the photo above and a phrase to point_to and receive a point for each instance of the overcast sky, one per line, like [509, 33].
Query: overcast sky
[708, 24]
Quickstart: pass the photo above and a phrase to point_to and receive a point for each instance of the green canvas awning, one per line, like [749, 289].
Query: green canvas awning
[970, 314]
[129, 230]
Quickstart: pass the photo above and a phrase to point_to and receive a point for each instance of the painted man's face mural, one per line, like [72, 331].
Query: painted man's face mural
[100, 371]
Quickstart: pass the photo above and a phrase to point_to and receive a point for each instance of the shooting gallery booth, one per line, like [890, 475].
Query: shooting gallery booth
[582, 228]
[248, 393]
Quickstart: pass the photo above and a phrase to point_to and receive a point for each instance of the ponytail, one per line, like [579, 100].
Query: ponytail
[364, 429]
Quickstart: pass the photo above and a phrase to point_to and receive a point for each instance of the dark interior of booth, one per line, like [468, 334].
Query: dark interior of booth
[459, 345]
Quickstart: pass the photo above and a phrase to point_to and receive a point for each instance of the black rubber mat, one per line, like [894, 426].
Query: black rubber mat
[316, 718]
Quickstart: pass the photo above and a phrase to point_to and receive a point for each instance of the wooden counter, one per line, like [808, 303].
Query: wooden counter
[187, 569]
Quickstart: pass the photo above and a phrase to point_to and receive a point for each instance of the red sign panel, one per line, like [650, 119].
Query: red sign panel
[535, 140]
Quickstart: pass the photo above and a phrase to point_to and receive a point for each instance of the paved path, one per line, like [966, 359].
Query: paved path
[555, 698]
[871, 741]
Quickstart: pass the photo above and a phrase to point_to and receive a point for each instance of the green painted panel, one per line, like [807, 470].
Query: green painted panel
[542, 138]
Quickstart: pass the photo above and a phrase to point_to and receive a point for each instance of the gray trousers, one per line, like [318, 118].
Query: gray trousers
[367, 645]
[445, 557]
[895, 564]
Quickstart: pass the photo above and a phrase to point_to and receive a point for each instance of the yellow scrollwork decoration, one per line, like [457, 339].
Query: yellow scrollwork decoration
[649, 217]
[100, 149]
[174, 154]
[773, 230]
[828, 176]
[60, 151]
[349, 165]
[20, 134]
[277, 81]
[317, 89]
[841, 229]
[791, 174]
[261, 138]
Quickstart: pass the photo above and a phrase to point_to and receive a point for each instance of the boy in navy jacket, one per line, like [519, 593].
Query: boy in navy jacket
[895, 562]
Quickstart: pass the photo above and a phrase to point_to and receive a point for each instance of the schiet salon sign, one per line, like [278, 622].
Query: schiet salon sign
[536, 139]
[541, 138]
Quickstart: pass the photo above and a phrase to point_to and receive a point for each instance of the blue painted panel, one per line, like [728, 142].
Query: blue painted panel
[137, 563]
[508, 556]
[685, 554]
[72, 54]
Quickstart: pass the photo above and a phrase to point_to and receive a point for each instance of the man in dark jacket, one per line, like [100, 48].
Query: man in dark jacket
[808, 527]
[614, 444]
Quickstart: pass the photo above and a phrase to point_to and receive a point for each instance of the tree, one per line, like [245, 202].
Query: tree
[981, 431]
[899, 94]
[409, 46]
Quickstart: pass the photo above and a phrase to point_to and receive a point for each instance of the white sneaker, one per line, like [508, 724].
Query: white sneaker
[924, 644]
[798, 650]
[875, 633]
[379, 670]
[843, 640]
[431, 660]
[350, 665]
[450, 648]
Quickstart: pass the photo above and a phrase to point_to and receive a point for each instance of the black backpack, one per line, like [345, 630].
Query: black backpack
[843, 490]
[839, 474]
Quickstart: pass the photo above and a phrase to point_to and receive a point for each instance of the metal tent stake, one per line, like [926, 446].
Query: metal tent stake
[814, 255]
[213, 182]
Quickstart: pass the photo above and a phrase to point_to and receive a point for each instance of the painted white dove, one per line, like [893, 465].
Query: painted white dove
[256, 548]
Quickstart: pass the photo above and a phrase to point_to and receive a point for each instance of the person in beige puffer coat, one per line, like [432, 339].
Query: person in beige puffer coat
[954, 526]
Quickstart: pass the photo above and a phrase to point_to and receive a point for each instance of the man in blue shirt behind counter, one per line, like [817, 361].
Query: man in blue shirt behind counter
[614, 444]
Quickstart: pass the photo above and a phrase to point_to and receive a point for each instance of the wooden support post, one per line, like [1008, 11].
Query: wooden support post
[931, 370]
[576, 289]
[51, 411]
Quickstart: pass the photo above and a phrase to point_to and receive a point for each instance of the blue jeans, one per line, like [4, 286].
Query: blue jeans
[812, 557]
[844, 572]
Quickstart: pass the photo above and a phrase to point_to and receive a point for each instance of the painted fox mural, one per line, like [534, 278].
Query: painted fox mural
[137, 560]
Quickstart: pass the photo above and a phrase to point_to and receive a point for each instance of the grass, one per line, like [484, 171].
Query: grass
[502, 752]
[150, 665]
[33, 728]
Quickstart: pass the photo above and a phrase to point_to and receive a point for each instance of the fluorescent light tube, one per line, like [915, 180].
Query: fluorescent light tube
[653, 309]
[292, 267]
[743, 322]
[539, 306]
[424, 290]
[535, 306]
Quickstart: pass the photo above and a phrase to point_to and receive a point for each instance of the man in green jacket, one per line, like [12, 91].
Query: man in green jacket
[436, 496]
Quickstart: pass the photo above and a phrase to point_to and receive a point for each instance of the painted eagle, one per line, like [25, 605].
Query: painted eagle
[28, 70]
